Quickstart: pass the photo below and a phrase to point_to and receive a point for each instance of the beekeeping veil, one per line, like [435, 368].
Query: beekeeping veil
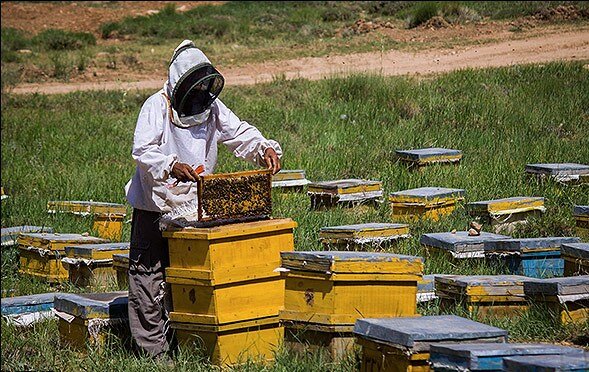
[193, 85]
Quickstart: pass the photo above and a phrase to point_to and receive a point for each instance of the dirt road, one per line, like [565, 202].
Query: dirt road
[562, 46]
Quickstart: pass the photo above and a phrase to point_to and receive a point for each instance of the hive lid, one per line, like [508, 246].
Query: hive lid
[231, 230]
[27, 304]
[460, 241]
[581, 210]
[48, 240]
[473, 351]
[365, 230]
[577, 250]
[483, 280]
[558, 169]
[530, 244]
[429, 154]
[9, 234]
[407, 331]
[120, 257]
[345, 186]
[427, 195]
[91, 251]
[571, 285]
[568, 362]
[359, 262]
[509, 205]
[85, 207]
[289, 175]
[93, 305]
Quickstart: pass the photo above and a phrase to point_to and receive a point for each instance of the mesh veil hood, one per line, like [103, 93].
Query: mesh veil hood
[186, 58]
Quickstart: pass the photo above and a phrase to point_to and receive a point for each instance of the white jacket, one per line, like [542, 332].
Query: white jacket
[158, 144]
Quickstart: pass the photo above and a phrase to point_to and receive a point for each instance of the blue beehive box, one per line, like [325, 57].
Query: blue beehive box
[404, 343]
[10, 234]
[485, 357]
[430, 155]
[460, 244]
[86, 318]
[547, 363]
[533, 257]
[27, 304]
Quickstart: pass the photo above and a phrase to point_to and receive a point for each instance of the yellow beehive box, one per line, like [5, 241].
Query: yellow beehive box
[198, 301]
[330, 287]
[351, 237]
[576, 258]
[92, 263]
[581, 215]
[230, 253]
[567, 298]
[424, 203]
[120, 262]
[85, 208]
[41, 254]
[428, 156]
[482, 295]
[234, 343]
[108, 217]
[290, 180]
[403, 344]
[335, 340]
[346, 192]
[503, 215]
[88, 318]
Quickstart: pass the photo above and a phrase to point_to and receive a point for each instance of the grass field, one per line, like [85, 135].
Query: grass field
[77, 147]
[240, 32]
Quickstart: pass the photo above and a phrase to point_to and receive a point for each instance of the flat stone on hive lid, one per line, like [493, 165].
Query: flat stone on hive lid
[407, 331]
[547, 363]
[93, 305]
[558, 169]
[459, 241]
[577, 250]
[572, 285]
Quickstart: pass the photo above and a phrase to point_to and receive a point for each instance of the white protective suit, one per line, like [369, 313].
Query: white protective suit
[161, 140]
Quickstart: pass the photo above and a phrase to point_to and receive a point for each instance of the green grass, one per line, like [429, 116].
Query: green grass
[77, 146]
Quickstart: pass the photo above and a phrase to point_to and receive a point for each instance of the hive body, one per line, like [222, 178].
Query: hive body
[424, 203]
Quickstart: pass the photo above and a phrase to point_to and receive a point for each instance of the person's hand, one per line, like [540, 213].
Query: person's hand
[183, 172]
[271, 159]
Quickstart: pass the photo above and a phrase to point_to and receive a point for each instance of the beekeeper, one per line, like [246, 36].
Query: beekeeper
[175, 139]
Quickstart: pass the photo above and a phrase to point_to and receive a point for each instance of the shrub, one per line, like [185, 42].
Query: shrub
[422, 13]
[63, 40]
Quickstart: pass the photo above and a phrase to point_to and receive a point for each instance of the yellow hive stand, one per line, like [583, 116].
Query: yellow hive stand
[235, 343]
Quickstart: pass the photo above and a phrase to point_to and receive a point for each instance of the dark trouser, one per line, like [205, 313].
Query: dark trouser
[149, 299]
